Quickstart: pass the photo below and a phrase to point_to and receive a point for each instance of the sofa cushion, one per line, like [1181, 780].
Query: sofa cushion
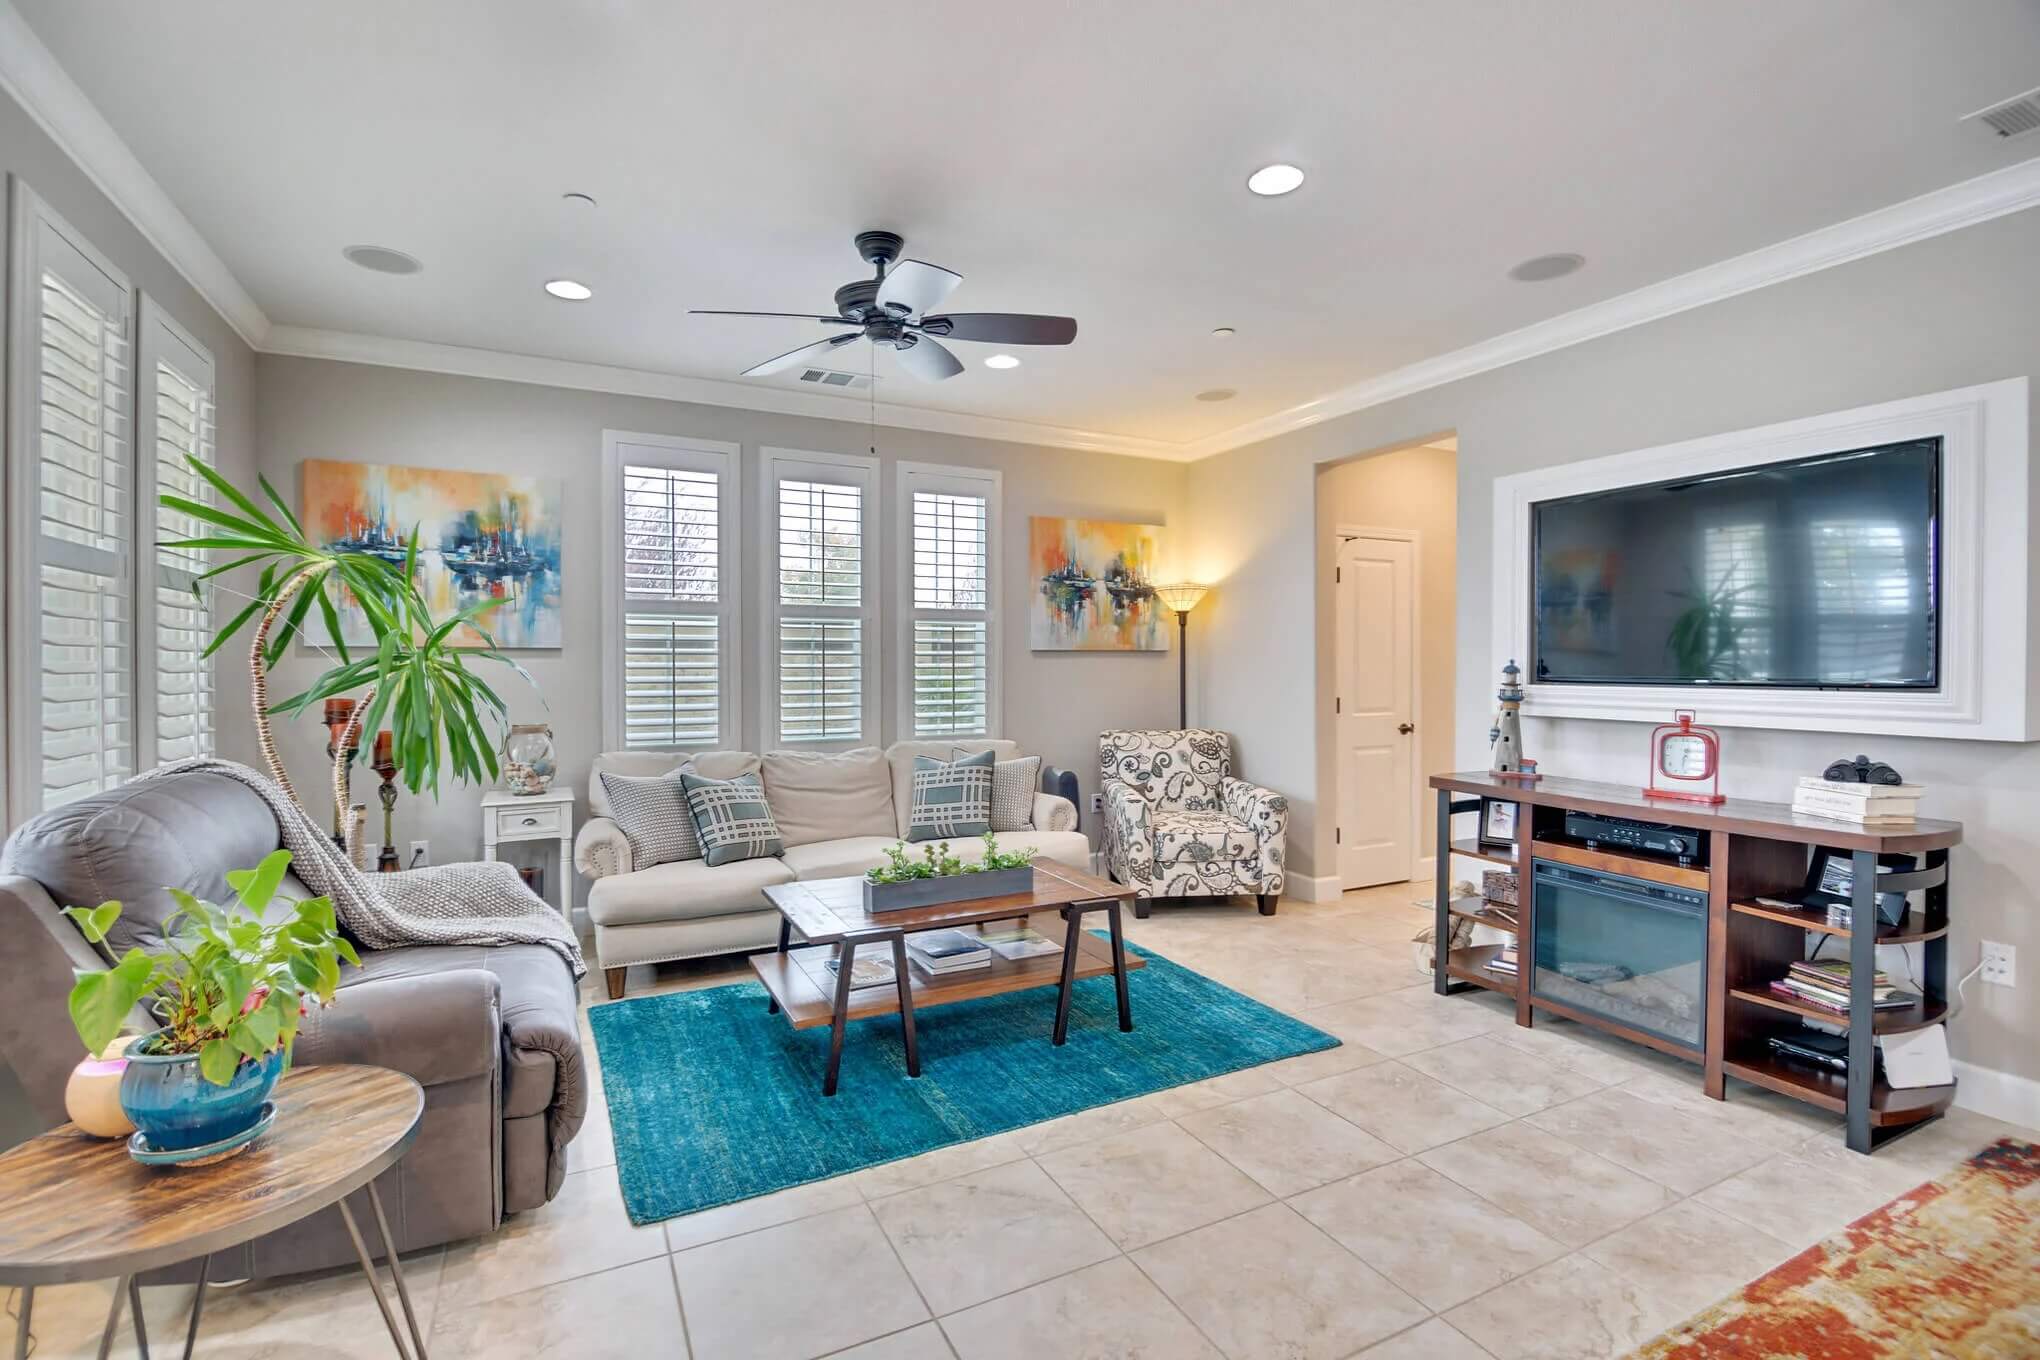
[849, 858]
[900, 755]
[732, 818]
[1062, 847]
[951, 797]
[1200, 837]
[653, 816]
[826, 795]
[839, 859]
[647, 764]
[1013, 785]
[684, 891]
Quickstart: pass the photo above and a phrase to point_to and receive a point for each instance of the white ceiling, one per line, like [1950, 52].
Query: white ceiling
[1078, 158]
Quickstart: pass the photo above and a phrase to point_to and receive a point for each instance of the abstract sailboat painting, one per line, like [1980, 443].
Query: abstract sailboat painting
[1094, 586]
[481, 535]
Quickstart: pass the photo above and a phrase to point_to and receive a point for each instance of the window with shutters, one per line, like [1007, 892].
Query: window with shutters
[821, 606]
[73, 716]
[949, 516]
[670, 598]
[174, 396]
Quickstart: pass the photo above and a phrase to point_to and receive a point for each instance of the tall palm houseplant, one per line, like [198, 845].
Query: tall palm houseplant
[442, 715]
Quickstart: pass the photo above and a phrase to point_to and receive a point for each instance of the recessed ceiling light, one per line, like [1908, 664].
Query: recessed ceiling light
[1002, 361]
[1546, 267]
[1273, 180]
[1217, 394]
[382, 259]
[580, 200]
[569, 291]
[1222, 332]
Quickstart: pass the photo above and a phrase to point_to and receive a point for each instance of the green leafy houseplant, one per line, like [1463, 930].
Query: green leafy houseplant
[416, 681]
[227, 984]
[901, 866]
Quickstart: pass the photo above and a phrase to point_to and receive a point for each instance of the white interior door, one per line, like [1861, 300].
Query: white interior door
[1375, 719]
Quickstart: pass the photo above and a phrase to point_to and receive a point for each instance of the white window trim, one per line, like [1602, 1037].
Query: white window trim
[689, 455]
[157, 332]
[862, 472]
[962, 481]
[21, 539]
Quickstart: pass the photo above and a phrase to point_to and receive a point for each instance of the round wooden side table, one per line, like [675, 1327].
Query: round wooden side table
[74, 1207]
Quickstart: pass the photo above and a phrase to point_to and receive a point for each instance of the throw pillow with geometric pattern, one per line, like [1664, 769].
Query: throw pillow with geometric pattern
[732, 818]
[951, 797]
[1013, 784]
[654, 817]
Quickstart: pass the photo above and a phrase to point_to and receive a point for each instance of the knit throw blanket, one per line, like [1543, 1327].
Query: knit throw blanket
[481, 904]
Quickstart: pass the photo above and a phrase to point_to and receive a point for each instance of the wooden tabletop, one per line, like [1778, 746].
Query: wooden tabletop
[74, 1207]
[827, 909]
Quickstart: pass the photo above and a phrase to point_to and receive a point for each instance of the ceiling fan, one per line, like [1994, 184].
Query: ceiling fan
[891, 308]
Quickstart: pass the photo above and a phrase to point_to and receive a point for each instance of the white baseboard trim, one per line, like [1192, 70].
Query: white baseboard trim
[1306, 888]
[2001, 1095]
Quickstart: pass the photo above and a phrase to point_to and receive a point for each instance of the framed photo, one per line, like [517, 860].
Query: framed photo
[1497, 823]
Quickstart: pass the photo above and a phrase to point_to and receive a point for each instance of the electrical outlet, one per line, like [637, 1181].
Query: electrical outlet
[2000, 963]
[420, 856]
[1097, 802]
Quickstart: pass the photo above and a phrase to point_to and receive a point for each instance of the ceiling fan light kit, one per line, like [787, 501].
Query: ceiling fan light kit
[893, 309]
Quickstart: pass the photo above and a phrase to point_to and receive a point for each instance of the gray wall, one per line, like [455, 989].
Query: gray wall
[1958, 309]
[1054, 703]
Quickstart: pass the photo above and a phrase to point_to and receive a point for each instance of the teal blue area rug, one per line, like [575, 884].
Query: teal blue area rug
[712, 1099]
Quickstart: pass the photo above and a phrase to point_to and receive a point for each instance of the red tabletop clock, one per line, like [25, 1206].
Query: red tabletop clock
[1685, 761]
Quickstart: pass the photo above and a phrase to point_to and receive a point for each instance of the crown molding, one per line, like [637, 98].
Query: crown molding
[464, 361]
[30, 73]
[1997, 194]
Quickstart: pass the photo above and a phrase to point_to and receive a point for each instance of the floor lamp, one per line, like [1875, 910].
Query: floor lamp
[1182, 598]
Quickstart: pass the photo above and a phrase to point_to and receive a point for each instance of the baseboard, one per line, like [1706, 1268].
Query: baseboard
[2001, 1095]
[1305, 888]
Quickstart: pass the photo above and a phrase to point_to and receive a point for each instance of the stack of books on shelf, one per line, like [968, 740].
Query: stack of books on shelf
[1863, 804]
[1825, 986]
[939, 953]
[1503, 964]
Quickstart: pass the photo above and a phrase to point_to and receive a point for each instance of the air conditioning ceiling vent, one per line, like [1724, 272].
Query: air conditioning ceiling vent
[2013, 118]
[829, 377]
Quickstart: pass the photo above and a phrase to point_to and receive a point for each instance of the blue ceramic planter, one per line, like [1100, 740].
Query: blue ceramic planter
[175, 1107]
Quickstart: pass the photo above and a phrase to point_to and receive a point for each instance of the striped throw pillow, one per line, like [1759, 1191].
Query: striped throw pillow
[732, 818]
[951, 797]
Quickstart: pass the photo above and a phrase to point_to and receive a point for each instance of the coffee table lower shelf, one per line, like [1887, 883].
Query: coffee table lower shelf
[807, 1006]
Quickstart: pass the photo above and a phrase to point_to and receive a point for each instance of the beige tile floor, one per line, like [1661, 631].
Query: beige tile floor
[1445, 1186]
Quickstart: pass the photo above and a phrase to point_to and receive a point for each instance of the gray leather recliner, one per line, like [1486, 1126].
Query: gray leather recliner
[490, 1032]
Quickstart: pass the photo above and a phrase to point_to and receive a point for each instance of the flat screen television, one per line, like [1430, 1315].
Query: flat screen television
[1819, 573]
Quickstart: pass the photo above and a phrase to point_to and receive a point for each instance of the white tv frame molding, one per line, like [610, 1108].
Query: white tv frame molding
[1988, 591]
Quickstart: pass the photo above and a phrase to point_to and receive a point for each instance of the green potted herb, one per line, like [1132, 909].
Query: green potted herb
[229, 986]
[937, 875]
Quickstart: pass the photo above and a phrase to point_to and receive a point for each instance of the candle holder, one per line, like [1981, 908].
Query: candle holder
[339, 715]
[386, 861]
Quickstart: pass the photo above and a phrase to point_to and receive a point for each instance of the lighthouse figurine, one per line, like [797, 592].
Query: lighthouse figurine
[1507, 733]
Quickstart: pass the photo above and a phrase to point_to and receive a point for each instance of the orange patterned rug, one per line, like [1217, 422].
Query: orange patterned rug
[1949, 1271]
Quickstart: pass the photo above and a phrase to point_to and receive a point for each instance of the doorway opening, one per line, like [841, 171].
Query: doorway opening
[1387, 542]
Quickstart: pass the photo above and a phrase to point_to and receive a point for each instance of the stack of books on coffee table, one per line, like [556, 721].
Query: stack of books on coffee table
[1863, 804]
[939, 953]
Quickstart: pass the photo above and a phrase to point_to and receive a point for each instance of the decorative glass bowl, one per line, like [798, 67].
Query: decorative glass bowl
[528, 759]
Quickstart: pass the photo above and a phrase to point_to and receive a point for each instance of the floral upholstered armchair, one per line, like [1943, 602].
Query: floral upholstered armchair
[1177, 824]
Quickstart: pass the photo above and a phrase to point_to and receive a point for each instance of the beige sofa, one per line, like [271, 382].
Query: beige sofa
[838, 813]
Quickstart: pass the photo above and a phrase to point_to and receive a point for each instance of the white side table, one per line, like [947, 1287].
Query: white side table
[545, 816]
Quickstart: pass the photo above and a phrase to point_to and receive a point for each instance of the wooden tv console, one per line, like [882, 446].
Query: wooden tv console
[1753, 850]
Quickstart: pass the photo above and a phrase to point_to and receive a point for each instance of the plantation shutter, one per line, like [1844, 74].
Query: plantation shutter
[672, 621]
[951, 654]
[77, 715]
[177, 694]
[821, 598]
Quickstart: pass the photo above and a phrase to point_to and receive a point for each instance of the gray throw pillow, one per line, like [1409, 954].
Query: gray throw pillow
[951, 797]
[1013, 785]
[732, 818]
[654, 817]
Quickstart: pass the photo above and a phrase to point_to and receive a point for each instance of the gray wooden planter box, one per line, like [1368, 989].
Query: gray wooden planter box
[929, 892]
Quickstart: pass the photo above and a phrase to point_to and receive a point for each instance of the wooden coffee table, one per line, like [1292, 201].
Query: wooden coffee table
[829, 913]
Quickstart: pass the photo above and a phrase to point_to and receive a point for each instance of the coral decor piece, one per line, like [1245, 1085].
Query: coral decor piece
[1947, 1270]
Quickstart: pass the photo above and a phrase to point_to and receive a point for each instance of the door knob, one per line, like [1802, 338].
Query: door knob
[1406, 728]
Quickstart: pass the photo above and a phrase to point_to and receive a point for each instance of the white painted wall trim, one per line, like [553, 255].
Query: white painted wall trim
[1312, 887]
[31, 74]
[1987, 693]
[2001, 1095]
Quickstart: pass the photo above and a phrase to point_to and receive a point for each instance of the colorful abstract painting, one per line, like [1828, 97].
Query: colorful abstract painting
[481, 535]
[1095, 586]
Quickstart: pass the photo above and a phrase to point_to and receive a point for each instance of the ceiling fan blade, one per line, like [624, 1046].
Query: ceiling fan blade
[1005, 328]
[801, 355]
[916, 286]
[797, 316]
[928, 361]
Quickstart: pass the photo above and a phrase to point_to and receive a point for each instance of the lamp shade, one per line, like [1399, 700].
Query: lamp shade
[1181, 597]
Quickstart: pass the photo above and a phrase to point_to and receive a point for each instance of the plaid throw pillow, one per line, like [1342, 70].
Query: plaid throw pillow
[951, 797]
[732, 818]
[653, 816]
[1013, 784]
